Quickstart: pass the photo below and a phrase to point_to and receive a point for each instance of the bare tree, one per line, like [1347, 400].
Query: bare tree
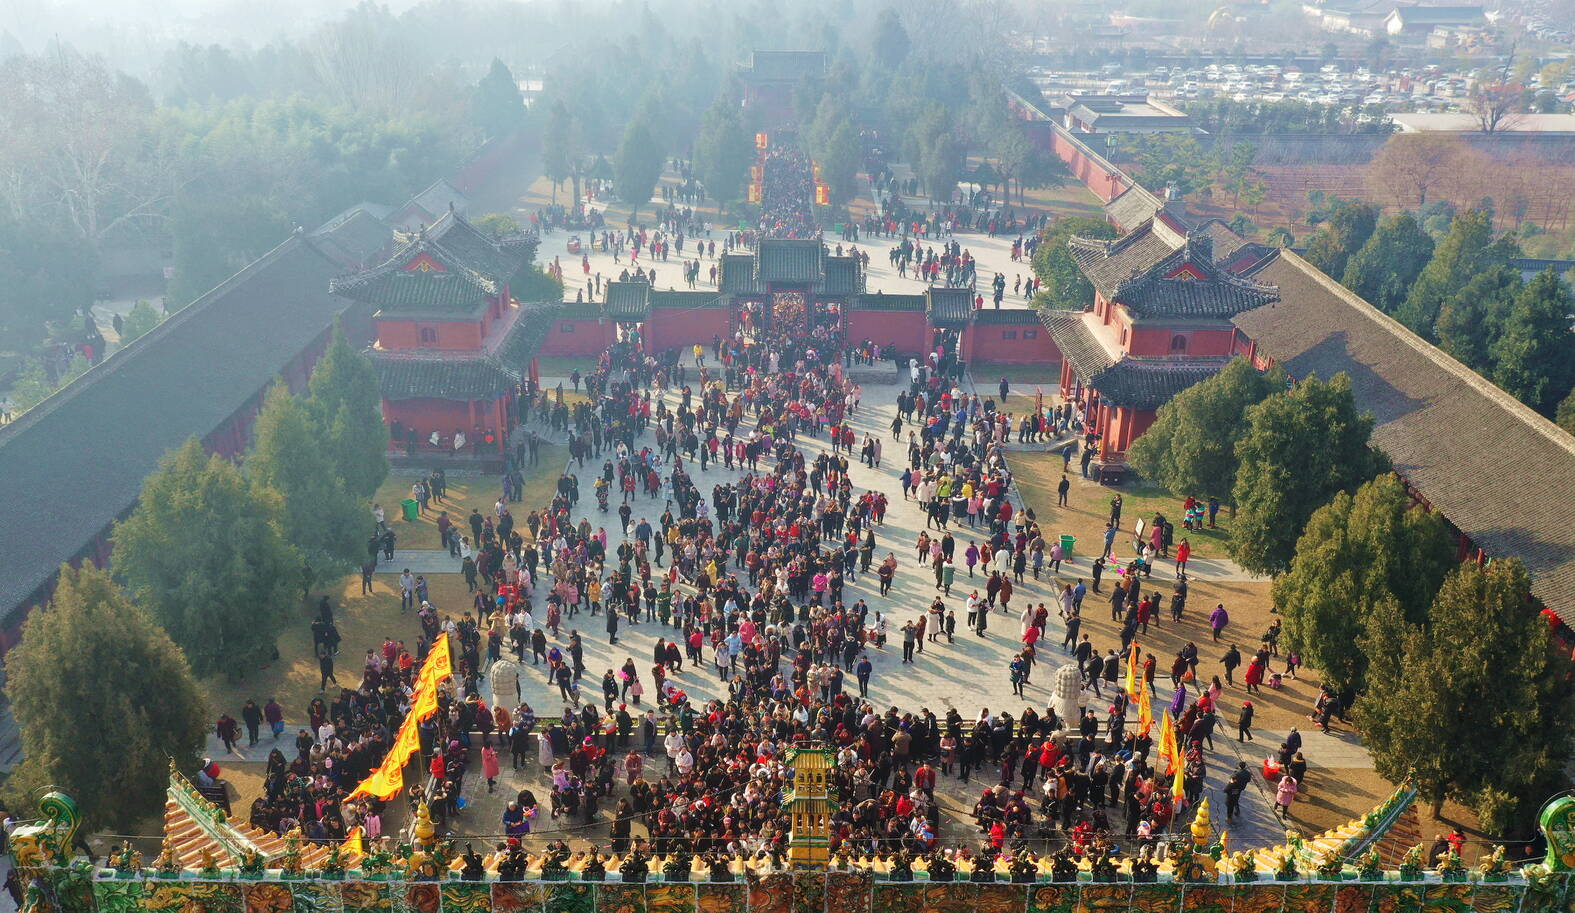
[366, 62]
[79, 140]
[1495, 107]
[1412, 165]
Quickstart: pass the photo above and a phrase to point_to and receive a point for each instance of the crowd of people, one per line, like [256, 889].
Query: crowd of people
[787, 195]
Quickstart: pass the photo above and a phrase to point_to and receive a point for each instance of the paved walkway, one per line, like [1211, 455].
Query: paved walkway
[969, 674]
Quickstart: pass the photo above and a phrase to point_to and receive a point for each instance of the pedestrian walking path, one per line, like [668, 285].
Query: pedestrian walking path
[419, 561]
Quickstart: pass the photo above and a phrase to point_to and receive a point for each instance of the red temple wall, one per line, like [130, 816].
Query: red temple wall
[1157, 341]
[667, 328]
[1019, 345]
[906, 330]
[1101, 178]
[451, 334]
[441, 415]
[570, 337]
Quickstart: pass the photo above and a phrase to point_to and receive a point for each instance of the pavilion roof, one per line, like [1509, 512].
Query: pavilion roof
[449, 264]
[790, 260]
[1151, 278]
[949, 307]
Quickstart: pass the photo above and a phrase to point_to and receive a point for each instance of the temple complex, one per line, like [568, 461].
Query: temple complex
[452, 342]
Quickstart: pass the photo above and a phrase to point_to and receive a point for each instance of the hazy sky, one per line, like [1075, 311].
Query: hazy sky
[132, 30]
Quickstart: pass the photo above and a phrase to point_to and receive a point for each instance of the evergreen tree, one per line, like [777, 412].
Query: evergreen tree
[1382, 271]
[496, 105]
[203, 553]
[891, 39]
[1534, 356]
[1472, 319]
[104, 701]
[638, 165]
[1191, 447]
[1064, 285]
[557, 157]
[723, 151]
[1346, 231]
[1455, 261]
[319, 517]
[839, 163]
[1565, 416]
[1357, 550]
[1300, 447]
[1474, 705]
[347, 407]
[142, 318]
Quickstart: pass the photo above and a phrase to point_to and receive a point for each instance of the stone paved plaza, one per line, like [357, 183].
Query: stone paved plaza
[969, 674]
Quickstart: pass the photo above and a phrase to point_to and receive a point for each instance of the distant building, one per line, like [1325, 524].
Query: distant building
[770, 79]
[1419, 21]
[1118, 114]
[1468, 123]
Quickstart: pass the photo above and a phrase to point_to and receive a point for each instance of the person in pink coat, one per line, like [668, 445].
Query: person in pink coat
[489, 766]
[1284, 794]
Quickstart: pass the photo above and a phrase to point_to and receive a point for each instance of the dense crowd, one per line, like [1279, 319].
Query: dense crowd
[787, 195]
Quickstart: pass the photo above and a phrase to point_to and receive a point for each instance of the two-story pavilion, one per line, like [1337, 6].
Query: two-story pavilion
[1161, 322]
[452, 342]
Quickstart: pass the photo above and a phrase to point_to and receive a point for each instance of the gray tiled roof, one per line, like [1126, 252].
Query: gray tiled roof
[441, 377]
[1133, 207]
[879, 301]
[628, 300]
[738, 275]
[790, 260]
[1500, 472]
[475, 267]
[1107, 264]
[842, 276]
[76, 462]
[1143, 384]
[1077, 344]
[949, 307]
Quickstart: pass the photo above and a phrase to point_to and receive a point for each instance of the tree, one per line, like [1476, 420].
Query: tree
[202, 551]
[1565, 416]
[1300, 447]
[1495, 106]
[496, 105]
[638, 165]
[1534, 357]
[137, 706]
[1411, 165]
[1382, 271]
[142, 318]
[1356, 551]
[1346, 230]
[31, 386]
[1457, 258]
[839, 163]
[496, 225]
[723, 151]
[1472, 319]
[321, 519]
[940, 153]
[347, 408]
[1171, 159]
[1482, 663]
[1064, 285]
[557, 159]
[891, 42]
[1191, 447]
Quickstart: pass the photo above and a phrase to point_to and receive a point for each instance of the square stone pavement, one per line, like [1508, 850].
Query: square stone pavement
[969, 674]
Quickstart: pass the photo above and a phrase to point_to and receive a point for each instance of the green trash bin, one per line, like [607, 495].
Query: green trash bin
[1066, 547]
[413, 509]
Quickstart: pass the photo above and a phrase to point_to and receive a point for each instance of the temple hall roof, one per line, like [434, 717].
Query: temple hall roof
[1500, 472]
[449, 264]
[1184, 281]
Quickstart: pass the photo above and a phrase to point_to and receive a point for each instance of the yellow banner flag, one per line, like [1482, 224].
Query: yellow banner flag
[1178, 786]
[1167, 740]
[1132, 671]
[389, 778]
[1145, 710]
